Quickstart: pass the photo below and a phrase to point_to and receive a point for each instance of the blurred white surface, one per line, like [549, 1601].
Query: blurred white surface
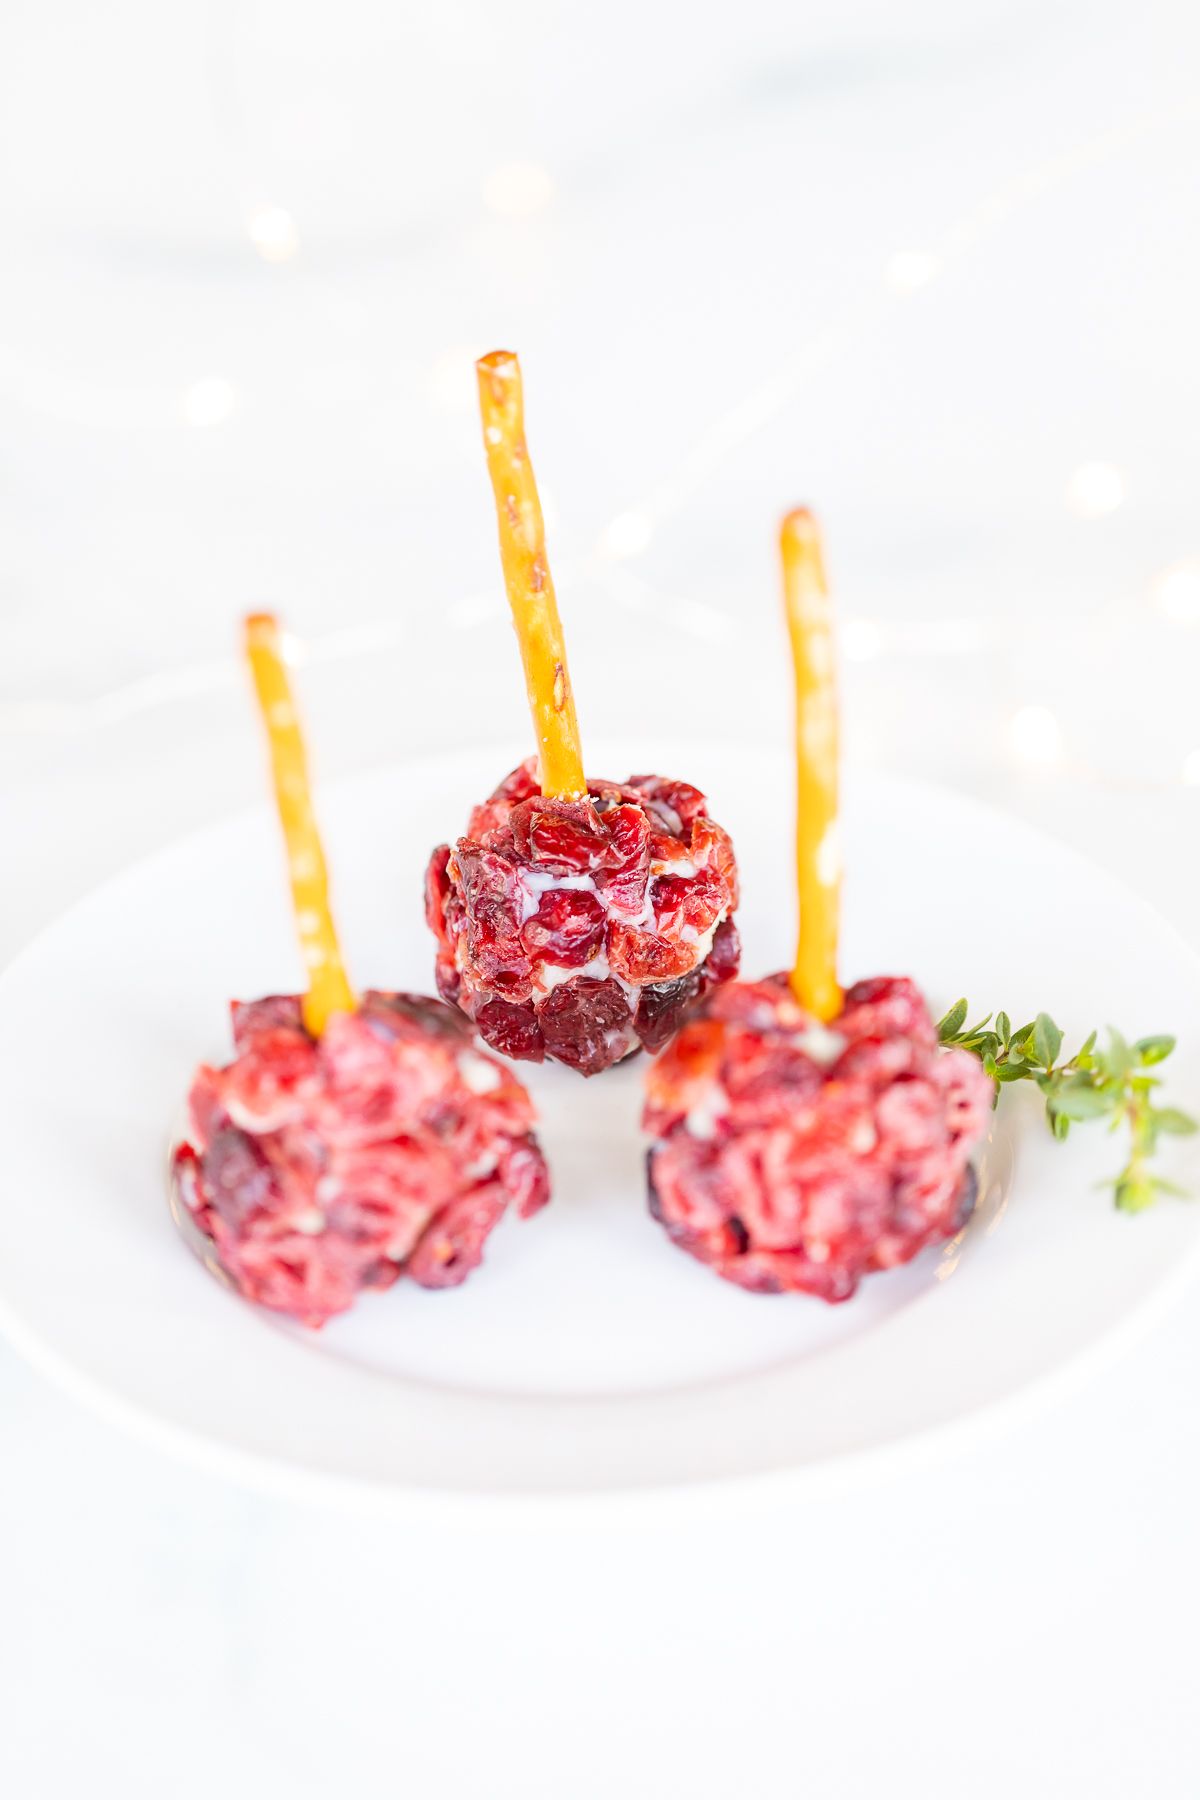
[935, 271]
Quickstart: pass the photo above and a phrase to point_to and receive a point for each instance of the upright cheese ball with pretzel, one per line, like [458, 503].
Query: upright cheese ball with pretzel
[805, 1137]
[351, 1140]
[577, 919]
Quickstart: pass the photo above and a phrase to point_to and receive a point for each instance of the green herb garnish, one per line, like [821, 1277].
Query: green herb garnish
[1110, 1083]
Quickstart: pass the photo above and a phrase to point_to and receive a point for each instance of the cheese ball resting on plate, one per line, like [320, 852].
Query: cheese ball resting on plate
[323, 1166]
[581, 930]
[795, 1155]
[805, 1137]
[351, 1140]
[576, 920]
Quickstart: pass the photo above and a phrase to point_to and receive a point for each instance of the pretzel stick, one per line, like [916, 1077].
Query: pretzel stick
[328, 989]
[818, 854]
[527, 577]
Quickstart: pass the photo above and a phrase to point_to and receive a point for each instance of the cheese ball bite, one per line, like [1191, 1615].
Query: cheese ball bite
[577, 919]
[804, 1137]
[351, 1140]
[320, 1167]
[584, 930]
[795, 1155]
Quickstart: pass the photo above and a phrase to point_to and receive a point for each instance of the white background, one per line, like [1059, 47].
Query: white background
[923, 266]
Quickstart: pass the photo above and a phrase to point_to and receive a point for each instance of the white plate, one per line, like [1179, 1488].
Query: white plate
[587, 1357]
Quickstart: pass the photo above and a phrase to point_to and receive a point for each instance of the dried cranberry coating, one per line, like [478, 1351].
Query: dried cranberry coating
[797, 1157]
[390, 1146]
[583, 929]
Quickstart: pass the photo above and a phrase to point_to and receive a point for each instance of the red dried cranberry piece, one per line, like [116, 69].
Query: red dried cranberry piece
[668, 852]
[454, 915]
[567, 928]
[661, 1009]
[712, 848]
[238, 1181]
[683, 1077]
[688, 902]
[786, 1271]
[624, 885]
[587, 1024]
[276, 1012]
[565, 842]
[724, 959]
[187, 1185]
[452, 1244]
[769, 1084]
[448, 979]
[690, 1192]
[754, 1005]
[206, 1108]
[389, 1014]
[514, 984]
[437, 889]
[270, 1079]
[643, 956]
[885, 1006]
[490, 892]
[723, 1248]
[526, 1177]
[520, 785]
[568, 835]
[492, 899]
[513, 1030]
[679, 797]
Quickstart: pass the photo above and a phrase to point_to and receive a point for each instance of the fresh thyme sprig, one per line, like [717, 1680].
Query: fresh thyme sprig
[1110, 1083]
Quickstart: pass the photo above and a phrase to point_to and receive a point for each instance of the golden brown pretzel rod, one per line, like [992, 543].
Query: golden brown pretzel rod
[328, 988]
[527, 577]
[818, 854]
